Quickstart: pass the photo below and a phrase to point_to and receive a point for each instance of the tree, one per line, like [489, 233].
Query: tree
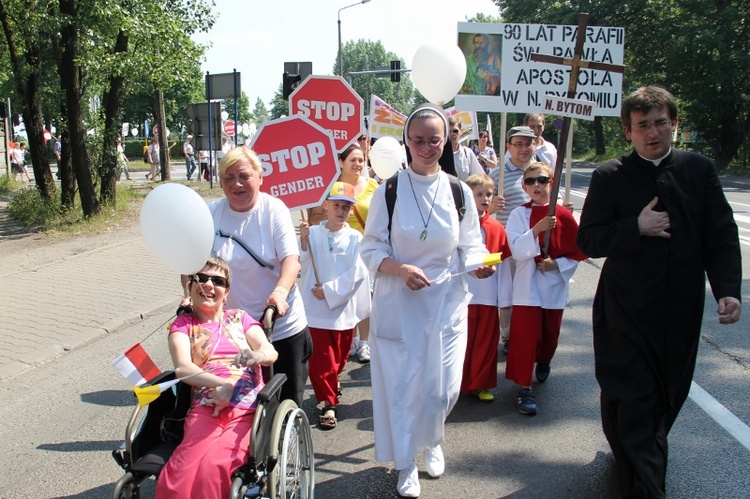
[279, 105]
[243, 109]
[699, 49]
[26, 33]
[260, 113]
[366, 55]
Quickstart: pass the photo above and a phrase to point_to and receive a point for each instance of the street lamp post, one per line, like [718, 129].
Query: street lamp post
[341, 59]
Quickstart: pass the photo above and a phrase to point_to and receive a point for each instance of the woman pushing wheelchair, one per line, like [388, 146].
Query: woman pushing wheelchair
[222, 352]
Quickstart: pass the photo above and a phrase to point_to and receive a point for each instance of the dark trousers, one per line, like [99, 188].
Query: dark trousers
[293, 354]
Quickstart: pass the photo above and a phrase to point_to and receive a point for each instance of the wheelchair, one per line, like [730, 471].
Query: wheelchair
[280, 463]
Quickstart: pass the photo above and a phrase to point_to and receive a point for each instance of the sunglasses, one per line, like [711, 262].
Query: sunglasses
[455, 130]
[217, 280]
[532, 180]
[482, 136]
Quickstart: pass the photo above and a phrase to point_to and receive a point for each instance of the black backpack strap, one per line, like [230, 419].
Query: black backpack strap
[458, 196]
[390, 197]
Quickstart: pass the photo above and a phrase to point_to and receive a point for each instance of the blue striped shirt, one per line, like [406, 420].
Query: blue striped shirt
[513, 192]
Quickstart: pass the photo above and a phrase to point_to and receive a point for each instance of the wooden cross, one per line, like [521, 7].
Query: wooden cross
[576, 63]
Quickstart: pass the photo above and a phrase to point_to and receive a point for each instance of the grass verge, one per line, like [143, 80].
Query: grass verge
[29, 208]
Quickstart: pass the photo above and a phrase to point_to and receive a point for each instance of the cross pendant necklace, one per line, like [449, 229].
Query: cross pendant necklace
[423, 235]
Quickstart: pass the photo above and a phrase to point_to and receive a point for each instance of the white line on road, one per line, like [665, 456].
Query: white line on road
[721, 415]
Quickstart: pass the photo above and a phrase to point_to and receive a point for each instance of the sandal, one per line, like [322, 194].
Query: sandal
[328, 418]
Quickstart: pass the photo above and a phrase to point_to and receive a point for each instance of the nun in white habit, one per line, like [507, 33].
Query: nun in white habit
[419, 314]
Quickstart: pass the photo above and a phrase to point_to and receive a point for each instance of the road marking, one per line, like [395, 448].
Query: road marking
[721, 415]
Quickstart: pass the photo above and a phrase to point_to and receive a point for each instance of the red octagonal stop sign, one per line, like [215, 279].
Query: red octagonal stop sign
[299, 161]
[330, 102]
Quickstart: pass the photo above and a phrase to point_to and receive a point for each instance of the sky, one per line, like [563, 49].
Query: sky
[257, 37]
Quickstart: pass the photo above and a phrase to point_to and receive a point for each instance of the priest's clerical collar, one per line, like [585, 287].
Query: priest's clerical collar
[656, 161]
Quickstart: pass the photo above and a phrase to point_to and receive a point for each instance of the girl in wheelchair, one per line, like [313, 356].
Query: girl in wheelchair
[227, 348]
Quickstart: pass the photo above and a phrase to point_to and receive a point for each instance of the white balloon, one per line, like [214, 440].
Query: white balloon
[438, 71]
[385, 157]
[177, 227]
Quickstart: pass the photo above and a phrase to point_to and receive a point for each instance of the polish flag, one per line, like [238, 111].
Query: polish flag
[136, 365]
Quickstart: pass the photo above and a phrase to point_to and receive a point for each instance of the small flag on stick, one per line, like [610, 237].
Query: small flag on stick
[474, 262]
[148, 394]
[136, 365]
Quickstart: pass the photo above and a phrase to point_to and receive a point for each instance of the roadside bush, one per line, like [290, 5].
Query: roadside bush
[30, 208]
[7, 184]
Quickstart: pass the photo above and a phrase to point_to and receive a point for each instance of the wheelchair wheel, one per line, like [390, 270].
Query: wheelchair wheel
[275, 447]
[126, 488]
[297, 471]
[238, 489]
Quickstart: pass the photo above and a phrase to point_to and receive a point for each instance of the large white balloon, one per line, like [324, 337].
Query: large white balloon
[385, 157]
[438, 71]
[177, 227]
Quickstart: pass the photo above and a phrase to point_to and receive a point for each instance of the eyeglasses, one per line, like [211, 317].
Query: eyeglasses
[522, 145]
[433, 142]
[361, 139]
[217, 280]
[543, 180]
[455, 130]
[645, 126]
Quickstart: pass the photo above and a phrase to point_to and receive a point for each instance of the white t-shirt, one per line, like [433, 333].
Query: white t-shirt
[466, 163]
[268, 231]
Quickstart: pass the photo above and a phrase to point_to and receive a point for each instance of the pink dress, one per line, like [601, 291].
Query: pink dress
[213, 447]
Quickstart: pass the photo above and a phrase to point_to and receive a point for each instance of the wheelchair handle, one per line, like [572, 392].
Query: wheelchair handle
[269, 319]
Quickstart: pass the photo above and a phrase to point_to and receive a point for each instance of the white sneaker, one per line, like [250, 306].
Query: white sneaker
[364, 353]
[434, 461]
[408, 481]
[355, 347]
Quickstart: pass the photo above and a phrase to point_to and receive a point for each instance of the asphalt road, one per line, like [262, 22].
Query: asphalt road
[63, 418]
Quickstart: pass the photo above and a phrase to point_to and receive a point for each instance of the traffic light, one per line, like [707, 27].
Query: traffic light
[395, 71]
[294, 73]
[291, 81]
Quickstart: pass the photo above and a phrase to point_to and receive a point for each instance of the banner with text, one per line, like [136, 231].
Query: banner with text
[469, 124]
[385, 121]
[523, 82]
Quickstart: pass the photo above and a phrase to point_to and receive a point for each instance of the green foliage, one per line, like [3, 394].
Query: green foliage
[698, 49]
[7, 184]
[30, 208]
[366, 55]
[260, 114]
[279, 106]
[243, 109]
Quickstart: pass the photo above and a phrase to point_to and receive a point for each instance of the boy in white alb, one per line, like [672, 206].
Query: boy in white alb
[336, 295]
[540, 285]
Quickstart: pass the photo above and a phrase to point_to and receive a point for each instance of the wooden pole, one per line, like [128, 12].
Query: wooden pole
[576, 63]
[312, 256]
[568, 165]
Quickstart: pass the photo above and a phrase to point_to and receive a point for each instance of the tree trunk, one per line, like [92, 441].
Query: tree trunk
[27, 79]
[601, 149]
[163, 139]
[728, 146]
[64, 165]
[112, 109]
[71, 78]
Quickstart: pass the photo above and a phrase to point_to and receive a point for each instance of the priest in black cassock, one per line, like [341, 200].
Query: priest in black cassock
[660, 217]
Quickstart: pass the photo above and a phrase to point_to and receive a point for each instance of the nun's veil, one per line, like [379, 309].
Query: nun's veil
[446, 160]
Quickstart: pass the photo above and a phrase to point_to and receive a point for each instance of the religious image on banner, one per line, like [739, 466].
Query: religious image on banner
[482, 46]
